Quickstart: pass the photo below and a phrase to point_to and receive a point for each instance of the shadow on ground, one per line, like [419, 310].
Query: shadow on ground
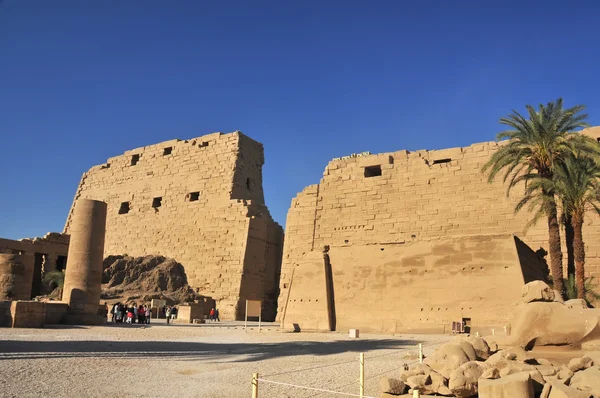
[221, 352]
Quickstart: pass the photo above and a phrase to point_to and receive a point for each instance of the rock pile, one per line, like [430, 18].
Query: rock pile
[140, 279]
[471, 367]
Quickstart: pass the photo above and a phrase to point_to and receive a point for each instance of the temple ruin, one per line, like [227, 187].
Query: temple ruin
[201, 202]
[416, 240]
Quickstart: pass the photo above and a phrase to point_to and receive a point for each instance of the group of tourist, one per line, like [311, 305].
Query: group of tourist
[122, 313]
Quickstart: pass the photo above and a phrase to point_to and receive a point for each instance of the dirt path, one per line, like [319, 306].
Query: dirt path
[193, 361]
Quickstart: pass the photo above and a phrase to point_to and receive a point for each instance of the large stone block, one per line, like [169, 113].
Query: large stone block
[28, 314]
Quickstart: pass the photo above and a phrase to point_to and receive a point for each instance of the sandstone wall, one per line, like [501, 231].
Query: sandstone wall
[414, 287]
[195, 201]
[48, 253]
[409, 197]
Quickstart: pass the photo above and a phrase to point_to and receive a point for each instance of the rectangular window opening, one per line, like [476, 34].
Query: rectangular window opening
[167, 150]
[135, 159]
[203, 144]
[194, 196]
[124, 209]
[372, 171]
[157, 202]
[440, 161]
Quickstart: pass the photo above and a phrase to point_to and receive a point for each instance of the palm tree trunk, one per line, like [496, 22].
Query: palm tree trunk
[569, 243]
[579, 252]
[555, 250]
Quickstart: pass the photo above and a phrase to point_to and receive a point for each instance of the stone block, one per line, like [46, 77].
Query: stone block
[515, 385]
[28, 314]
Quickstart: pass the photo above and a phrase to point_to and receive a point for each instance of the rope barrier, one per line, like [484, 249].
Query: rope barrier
[305, 369]
[313, 388]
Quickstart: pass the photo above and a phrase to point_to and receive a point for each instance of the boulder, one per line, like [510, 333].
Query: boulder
[516, 385]
[536, 291]
[559, 390]
[587, 380]
[429, 383]
[449, 357]
[463, 381]
[418, 369]
[392, 386]
[577, 364]
[490, 373]
[481, 347]
[576, 304]
[563, 376]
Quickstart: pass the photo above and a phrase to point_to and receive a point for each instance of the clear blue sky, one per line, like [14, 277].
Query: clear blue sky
[84, 80]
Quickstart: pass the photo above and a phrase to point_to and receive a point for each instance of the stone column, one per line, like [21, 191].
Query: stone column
[16, 276]
[83, 275]
[50, 263]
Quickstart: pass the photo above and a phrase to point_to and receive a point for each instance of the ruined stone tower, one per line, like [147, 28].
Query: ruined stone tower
[201, 202]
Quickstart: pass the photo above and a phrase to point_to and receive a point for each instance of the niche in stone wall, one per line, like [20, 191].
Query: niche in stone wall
[167, 150]
[135, 159]
[124, 208]
[157, 202]
[194, 196]
[372, 171]
[440, 161]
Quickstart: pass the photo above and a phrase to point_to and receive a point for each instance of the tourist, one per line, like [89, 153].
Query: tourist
[173, 313]
[217, 315]
[168, 314]
[211, 315]
[141, 314]
[119, 313]
[130, 315]
[113, 313]
[148, 313]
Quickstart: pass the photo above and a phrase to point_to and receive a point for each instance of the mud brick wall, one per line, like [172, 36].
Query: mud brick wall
[195, 201]
[405, 197]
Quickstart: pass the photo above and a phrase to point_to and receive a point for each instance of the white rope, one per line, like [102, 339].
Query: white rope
[313, 388]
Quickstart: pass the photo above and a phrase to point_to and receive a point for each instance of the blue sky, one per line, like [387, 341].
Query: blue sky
[81, 81]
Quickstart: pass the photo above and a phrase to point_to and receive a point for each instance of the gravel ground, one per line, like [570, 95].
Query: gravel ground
[211, 360]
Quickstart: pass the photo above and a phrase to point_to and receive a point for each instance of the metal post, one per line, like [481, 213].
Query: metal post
[254, 385]
[416, 394]
[420, 352]
[493, 332]
[362, 374]
[259, 320]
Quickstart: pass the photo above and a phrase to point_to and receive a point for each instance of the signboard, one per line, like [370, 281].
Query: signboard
[253, 308]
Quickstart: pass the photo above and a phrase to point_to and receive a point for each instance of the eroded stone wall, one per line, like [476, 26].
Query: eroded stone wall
[407, 197]
[195, 201]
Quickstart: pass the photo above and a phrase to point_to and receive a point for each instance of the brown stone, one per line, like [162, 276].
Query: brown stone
[577, 364]
[587, 380]
[537, 291]
[516, 385]
[463, 381]
[391, 386]
[559, 390]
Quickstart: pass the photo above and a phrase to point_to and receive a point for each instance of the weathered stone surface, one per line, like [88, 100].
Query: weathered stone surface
[576, 304]
[392, 386]
[537, 291]
[587, 380]
[559, 390]
[546, 390]
[516, 385]
[448, 357]
[552, 323]
[463, 381]
[481, 347]
[577, 364]
[193, 201]
[490, 373]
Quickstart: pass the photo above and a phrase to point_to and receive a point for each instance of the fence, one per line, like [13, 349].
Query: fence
[258, 380]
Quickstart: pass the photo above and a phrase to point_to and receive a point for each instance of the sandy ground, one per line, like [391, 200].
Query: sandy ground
[212, 360]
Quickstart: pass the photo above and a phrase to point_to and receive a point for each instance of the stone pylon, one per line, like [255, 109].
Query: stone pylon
[83, 274]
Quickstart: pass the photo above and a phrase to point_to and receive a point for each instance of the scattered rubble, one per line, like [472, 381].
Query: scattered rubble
[474, 366]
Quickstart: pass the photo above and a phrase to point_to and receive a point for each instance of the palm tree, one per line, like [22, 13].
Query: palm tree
[535, 145]
[577, 181]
